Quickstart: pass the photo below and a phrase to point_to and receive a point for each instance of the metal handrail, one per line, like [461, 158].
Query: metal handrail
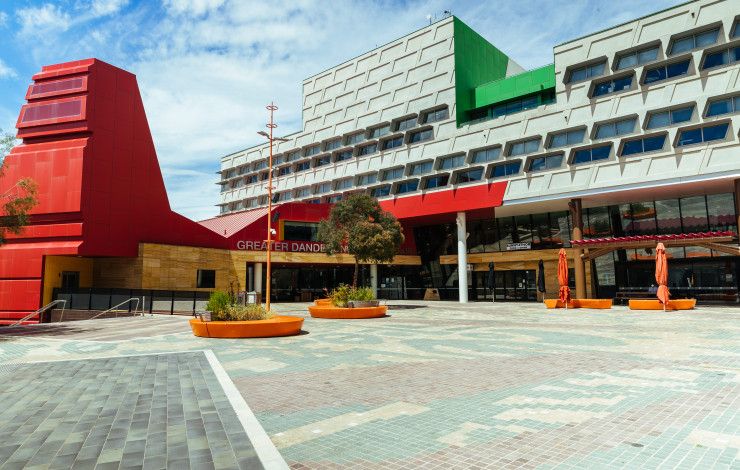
[40, 311]
[116, 306]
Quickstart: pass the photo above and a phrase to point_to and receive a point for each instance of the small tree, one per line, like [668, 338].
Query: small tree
[17, 201]
[368, 232]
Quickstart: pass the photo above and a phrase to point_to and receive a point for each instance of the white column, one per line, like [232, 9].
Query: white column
[258, 277]
[462, 258]
[374, 279]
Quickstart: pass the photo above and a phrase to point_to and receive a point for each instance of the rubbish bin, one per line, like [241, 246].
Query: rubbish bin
[254, 297]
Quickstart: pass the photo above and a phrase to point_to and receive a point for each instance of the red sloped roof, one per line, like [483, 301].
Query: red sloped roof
[228, 225]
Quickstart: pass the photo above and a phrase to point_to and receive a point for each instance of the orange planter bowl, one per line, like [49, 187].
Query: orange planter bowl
[330, 311]
[580, 303]
[654, 304]
[275, 326]
[324, 302]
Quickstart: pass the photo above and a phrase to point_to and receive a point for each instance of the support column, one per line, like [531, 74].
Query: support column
[576, 213]
[374, 279]
[462, 258]
[258, 277]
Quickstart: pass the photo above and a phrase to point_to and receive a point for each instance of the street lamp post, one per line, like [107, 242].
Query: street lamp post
[271, 125]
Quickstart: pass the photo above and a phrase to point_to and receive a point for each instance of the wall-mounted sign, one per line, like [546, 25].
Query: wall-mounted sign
[296, 247]
[518, 246]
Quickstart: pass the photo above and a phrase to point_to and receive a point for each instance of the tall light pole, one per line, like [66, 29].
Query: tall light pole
[271, 125]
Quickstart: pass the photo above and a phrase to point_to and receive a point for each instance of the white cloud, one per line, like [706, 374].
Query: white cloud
[107, 7]
[46, 19]
[3, 18]
[193, 7]
[5, 71]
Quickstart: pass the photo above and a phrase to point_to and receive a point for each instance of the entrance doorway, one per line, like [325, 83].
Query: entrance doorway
[516, 285]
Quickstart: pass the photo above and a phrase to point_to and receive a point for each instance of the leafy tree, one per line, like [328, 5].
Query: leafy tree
[16, 202]
[369, 233]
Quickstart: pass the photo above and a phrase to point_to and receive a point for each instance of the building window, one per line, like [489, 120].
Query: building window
[592, 154]
[314, 201]
[302, 192]
[303, 166]
[243, 169]
[224, 209]
[636, 58]
[238, 183]
[262, 200]
[355, 138]
[437, 181]
[332, 145]
[525, 146]
[392, 174]
[250, 203]
[644, 145]
[334, 199]
[420, 136]
[369, 178]
[251, 179]
[312, 150]
[367, 149]
[282, 171]
[206, 279]
[565, 138]
[284, 196]
[321, 161]
[452, 162]
[702, 134]
[612, 86]
[693, 41]
[278, 159]
[264, 175]
[407, 186]
[322, 188]
[615, 128]
[506, 169]
[343, 155]
[381, 191]
[343, 184]
[421, 168]
[300, 231]
[406, 124]
[260, 165]
[666, 71]
[586, 72]
[392, 143]
[294, 155]
[486, 155]
[546, 162]
[669, 117]
[469, 176]
[435, 115]
[735, 30]
[723, 57]
[723, 106]
[379, 131]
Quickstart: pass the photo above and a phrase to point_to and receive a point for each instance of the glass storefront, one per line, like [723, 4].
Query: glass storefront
[713, 275]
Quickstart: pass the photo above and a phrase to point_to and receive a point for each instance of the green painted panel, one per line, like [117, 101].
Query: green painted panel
[477, 61]
[527, 83]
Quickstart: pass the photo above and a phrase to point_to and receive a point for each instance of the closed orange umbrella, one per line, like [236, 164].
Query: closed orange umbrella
[661, 274]
[564, 292]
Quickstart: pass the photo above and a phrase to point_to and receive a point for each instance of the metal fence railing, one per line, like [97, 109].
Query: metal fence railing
[150, 301]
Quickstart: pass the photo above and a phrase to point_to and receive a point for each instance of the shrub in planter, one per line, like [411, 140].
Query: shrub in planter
[218, 302]
[348, 296]
[222, 308]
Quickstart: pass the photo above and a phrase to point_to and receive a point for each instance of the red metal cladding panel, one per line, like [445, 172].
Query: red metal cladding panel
[65, 86]
[463, 199]
[20, 294]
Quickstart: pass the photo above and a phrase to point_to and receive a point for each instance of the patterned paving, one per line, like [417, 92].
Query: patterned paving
[475, 386]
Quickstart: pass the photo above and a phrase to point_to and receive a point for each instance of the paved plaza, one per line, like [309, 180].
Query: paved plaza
[433, 385]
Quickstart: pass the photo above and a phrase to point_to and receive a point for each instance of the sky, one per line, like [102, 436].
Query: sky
[207, 68]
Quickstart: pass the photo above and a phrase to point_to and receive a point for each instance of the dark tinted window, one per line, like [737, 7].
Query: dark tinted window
[206, 279]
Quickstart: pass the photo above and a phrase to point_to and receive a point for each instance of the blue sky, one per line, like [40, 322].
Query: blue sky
[206, 68]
